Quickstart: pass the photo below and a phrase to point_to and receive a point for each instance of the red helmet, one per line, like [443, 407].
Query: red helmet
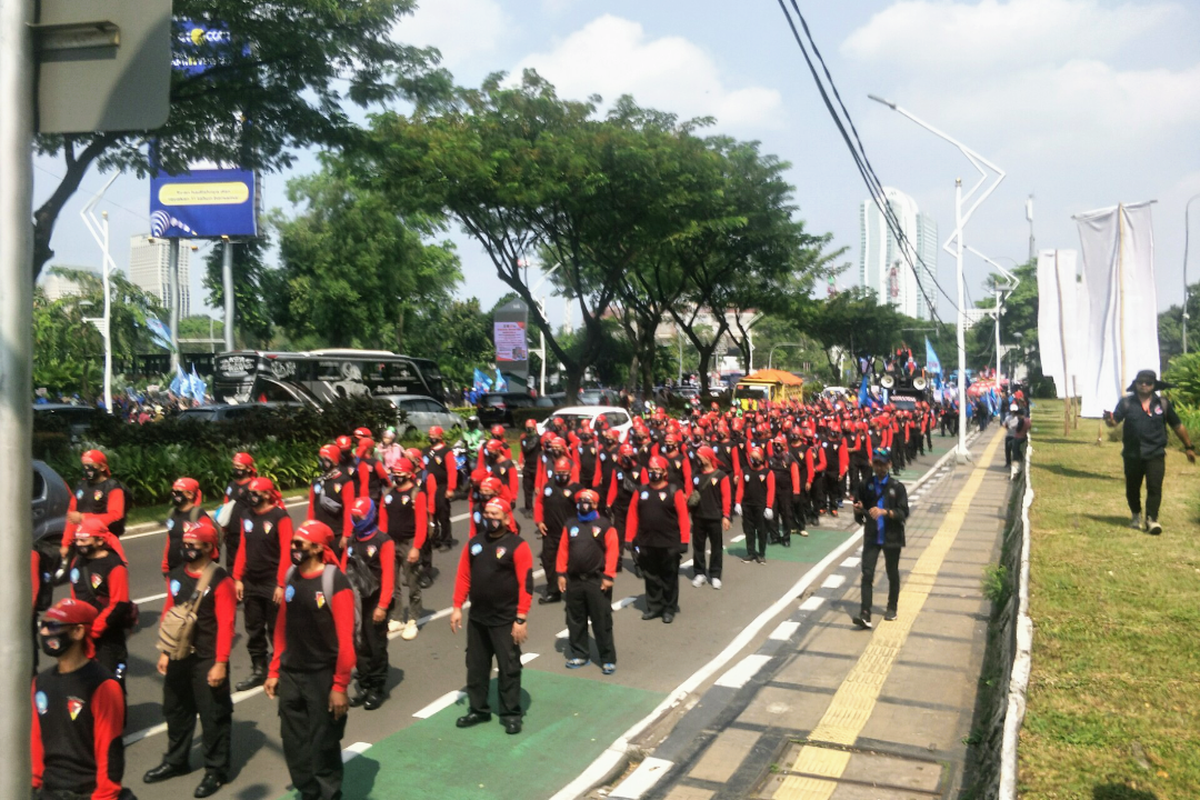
[436, 433]
[362, 508]
[671, 438]
[587, 495]
[402, 467]
[499, 504]
[493, 485]
[494, 446]
[658, 462]
[345, 443]
[415, 455]
[531, 423]
[707, 452]
[756, 453]
[498, 431]
[626, 451]
[203, 531]
[243, 460]
[332, 452]
[558, 443]
[562, 464]
[361, 432]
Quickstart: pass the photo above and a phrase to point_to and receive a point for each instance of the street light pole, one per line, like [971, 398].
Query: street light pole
[961, 218]
[99, 231]
[1186, 230]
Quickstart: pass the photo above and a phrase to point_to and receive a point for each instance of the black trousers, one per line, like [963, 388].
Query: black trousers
[312, 738]
[371, 649]
[831, 490]
[784, 523]
[803, 507]
[620, 513]
[891, 560]
[707, 531]
[860, 473]
[485, 642]
[186, 693]
[549, 557]
[1152, 470]
[407, 585]
[232, 545]
[754, 525]
[112, 653]
[260, 614]
[528, 479]
[660, 571]
[587, 601]
[441, 517]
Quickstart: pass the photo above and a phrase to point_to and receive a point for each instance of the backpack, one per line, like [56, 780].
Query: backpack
[177, 629]
[327, 589]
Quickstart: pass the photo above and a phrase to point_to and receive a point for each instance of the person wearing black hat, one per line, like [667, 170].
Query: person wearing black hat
[1144, 445]
[881, 507]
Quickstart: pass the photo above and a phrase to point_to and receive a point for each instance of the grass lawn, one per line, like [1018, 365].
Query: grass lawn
[1114, 699]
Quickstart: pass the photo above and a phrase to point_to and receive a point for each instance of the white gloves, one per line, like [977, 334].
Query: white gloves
[769, 514]
[737, 509]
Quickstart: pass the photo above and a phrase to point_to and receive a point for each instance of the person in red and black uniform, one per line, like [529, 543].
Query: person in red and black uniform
[100, 577]
[495, 573]
[787, 486]
[498, 464]
[236, 492]
[710, 518]
[441, 483]
[660, 531]
[314, 656]
[331, 496]
[755, 502]
[185, 514]
[587, 455]
[199, 684]
[489, 487]
[369, 562]
[78, 712]
[622, 488]
[587, 566]
[373, 478]
[98, 495]
[551, 510]
[830, 496]
[531, 450]
[402, 516]
[260, 572]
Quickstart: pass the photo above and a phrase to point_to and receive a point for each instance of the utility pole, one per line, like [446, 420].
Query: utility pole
[1029, 216]
[227, 286]
[173, 300]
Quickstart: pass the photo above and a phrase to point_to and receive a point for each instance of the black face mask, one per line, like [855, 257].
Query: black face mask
[238, 474]
[90, 473]
[326, 465]
[191, 554]
[178, 500]
[584, 508]
[492, 525]
[658, 477]
[255, 500]
[299, 555]
[85, 550]
[55, 644]
[561, 480]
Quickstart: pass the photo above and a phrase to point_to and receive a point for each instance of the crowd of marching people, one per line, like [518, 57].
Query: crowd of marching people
[320, 598]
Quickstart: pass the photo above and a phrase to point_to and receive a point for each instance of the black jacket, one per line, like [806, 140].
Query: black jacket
[895, 500]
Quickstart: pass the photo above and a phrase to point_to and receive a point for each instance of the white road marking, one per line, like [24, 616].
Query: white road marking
[833, 581]
[150, 598]
[642, 779]
[623, 602]
[686, 564]
[564, 633]
[852, 562]
[741, 537]
[812, 603]
[741, 673]
[445, 701]
[355, 750]
[527, 657]
[784, 630]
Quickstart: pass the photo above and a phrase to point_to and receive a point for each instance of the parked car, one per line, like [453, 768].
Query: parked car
[51, 499]
[231, 412]
[78, 419]
[496, 408]
[616, 417]
[423, 413]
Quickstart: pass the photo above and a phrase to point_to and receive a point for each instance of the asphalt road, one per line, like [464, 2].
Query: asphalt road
[427, 672]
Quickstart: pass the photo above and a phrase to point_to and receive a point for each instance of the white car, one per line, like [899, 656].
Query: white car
[423, 413]
[616, 417]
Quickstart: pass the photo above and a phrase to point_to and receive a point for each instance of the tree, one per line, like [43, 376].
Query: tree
[458, 334]
[353, 269]
[853, 322]
[253, 284]
[1170, 326]
[282, 82]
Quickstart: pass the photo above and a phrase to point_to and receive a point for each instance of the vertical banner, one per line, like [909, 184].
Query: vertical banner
[510, 324]
[1059, 337]
[1122, 307]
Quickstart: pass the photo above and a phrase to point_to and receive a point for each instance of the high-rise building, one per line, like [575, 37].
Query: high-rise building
[57, 286]
[149, 260]
[882, 265]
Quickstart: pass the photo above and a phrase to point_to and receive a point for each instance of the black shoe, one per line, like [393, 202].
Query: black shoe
[668, 618]
[787, 542]
[862, 621]
[424, 581]
[547, 599]
[761, 560]
[890, 616]
[358, 699]
[209, 786]
[373, 700]
[652, 614]
[162, 772]
[512, 726]
[637, 572]
[748, 559]
[472, 718]
[257, 678]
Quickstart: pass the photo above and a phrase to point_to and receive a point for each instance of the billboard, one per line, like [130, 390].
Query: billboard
[205, 203]
[200, 46]
[509, 334]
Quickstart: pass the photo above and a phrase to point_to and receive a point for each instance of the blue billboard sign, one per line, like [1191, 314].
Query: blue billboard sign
[200, 46]
[203, 203]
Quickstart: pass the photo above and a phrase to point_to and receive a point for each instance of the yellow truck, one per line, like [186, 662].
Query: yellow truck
[772, 385]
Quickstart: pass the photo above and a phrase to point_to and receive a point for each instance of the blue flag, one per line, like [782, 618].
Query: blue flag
[162, 336]
[196, 387]
[864, 394]
[482, 382]
[181, 384]
[932, 365]
[501, 385]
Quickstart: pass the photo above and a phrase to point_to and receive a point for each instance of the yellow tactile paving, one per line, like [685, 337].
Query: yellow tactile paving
[855, 699]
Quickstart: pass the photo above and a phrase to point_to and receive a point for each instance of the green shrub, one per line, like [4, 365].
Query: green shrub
[1184, 373]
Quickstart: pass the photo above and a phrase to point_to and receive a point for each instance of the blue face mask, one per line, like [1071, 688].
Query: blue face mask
[365, 528]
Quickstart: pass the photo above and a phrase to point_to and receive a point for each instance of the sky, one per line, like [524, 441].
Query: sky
[1083, 103]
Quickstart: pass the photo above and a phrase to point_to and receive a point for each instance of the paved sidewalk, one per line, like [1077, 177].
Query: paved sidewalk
[824, 711]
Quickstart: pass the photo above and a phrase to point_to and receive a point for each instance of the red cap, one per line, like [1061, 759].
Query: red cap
[626, 451]
[203, 531]
[499, 503]
[363, 432]
[314, 532]
[332, 452]
[494, 485]
[365, 445]
[436, 432]
[558, 441]
[530, 423]
[92, 526]
[362, 508]
[261, 484]
[186, 485]
[344, 443]
[415, 455]
[95, 457]
[71, 612]
[658, 462]
[756, 451]
[498, 430]
[588, 495]
[402, 467]
[707, 452]
[562, 464]
[243, 460]
[494, 446]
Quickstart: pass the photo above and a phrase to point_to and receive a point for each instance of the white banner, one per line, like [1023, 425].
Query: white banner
[1122, 314]
[1058, 325]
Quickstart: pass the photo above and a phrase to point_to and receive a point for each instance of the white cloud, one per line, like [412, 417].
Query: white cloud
[611, 56]
[460, 29]
[919, 34]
